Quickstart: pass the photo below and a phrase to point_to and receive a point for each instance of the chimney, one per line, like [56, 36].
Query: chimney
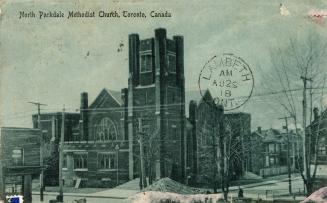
[160, 50]
[124, 97]
[192, 118]
[315, 113]
[84, 116]
[192, 111]
[134, 63]
[259, 129]
[179, 45]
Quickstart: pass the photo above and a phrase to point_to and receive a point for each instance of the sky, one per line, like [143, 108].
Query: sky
[53, 60]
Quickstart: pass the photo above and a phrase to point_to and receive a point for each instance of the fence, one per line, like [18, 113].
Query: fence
[269, 195]
[264, 172]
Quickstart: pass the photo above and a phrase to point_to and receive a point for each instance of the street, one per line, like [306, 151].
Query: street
[69, 199]
[270, 189]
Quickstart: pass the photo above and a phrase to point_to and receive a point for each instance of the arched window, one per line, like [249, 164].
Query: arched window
[105, 130]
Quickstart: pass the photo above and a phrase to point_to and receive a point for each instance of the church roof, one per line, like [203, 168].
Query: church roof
[109, 95]
[116, 95]
[206, 97]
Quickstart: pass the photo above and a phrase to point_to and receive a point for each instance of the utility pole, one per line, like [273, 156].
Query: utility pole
[214, 142]
[221, 131]
[242, 146]
[61, 156]
[38, 104]
[306, 166]
[142, 176]
[117, 162]
[288, 155]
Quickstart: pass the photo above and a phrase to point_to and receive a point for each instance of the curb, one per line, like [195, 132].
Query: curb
[79, 195]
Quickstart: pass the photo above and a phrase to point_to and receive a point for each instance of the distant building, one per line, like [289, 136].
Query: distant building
[206, 118]
[210, 124]
[19, 161]
[318, 130]
[51, 129]
[256, 150]
[275, 144]
[238, 131]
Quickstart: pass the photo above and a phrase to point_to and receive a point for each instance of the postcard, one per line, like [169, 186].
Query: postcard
[163, 101]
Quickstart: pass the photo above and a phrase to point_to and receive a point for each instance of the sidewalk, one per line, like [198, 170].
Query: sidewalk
[120, 192]
[130, 188]
[111, 193]
[268, 182]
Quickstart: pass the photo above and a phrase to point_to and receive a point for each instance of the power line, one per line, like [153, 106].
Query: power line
[178, 104]
[254, 97]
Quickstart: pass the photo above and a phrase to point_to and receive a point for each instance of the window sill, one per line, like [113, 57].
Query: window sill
[141, 72]
[106, 179]
[105, 170]
[81, 169]
[105, 141]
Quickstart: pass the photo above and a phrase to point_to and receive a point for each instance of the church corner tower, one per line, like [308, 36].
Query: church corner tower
[156, 105]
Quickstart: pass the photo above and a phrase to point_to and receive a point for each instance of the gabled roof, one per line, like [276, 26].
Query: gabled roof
[116, 95]
[321, 119]
[106, 95]
[257, 133]
[272, 135]
[206, 97]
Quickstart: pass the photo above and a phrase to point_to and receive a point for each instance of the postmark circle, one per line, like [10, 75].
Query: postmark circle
[229, 80]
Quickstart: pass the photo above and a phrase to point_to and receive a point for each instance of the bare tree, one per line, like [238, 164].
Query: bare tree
[220, 146]
[297, 66]
[233, 150]
[152, 154]
[316, 139]
[209, 134]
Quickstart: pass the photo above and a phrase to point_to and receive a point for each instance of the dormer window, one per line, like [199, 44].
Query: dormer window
[146, 63]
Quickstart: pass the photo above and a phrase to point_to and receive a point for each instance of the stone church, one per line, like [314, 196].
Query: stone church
[104, 151]
[104, 143]
[97, 156]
